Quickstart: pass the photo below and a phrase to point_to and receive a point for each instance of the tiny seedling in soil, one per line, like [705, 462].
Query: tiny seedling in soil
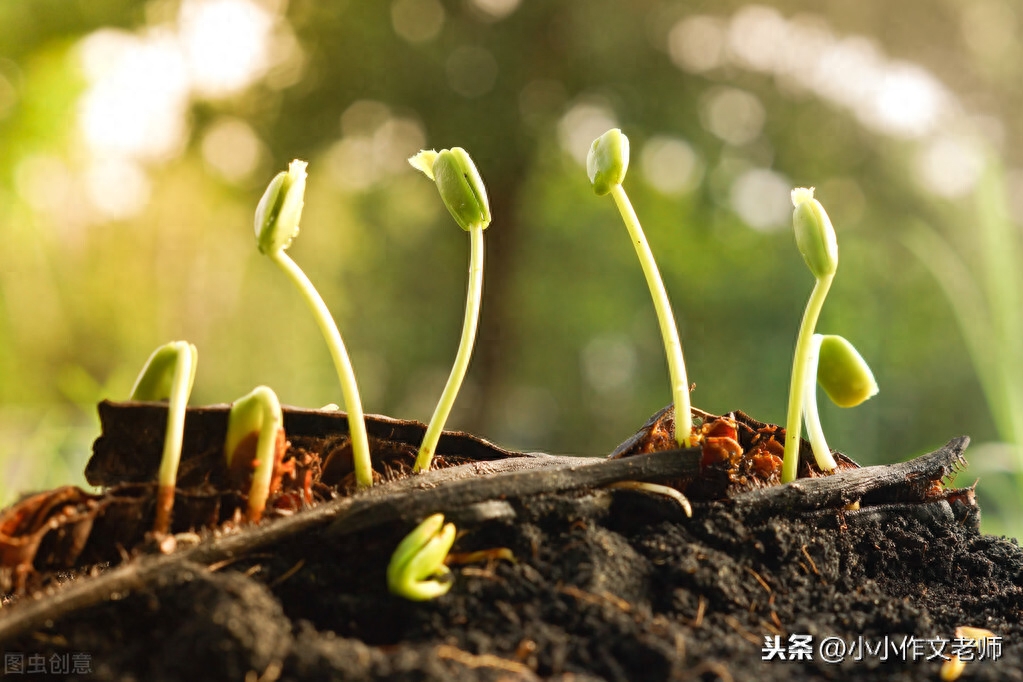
[815, 238]
[844, 375]
[606, 165]
[417, 570]
[255, 444]
[168, 375]
[277, 224]
[462, 191]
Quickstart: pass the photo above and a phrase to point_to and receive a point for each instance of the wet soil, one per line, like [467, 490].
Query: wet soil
[599, 584]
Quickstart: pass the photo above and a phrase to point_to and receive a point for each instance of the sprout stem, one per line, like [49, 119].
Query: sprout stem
[465, 346]
[669, 332]
[255, 418]
[814, 431]
[168, 375]
[343, 365]
[790, 465]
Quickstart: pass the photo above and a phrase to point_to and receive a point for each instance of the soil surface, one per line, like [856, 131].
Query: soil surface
[599, 584]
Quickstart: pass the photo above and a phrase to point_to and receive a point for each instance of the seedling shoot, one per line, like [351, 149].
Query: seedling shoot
[277, 224]
[461, 188]
[254, 441]
[168, 375]
[845, 376]
[815, 238]
[417, 571]
[606, 165]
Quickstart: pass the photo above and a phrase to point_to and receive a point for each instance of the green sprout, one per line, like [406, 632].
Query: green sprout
[461, 188]
[417, 571]
[606, 165]
[277, 223]
[815, 238]
[844, 375]
[254, 442]
[168, 375]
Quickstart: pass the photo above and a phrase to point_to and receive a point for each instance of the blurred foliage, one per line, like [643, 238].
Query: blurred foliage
[569, 357]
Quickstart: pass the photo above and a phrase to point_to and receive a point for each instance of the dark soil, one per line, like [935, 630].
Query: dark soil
[605, 583]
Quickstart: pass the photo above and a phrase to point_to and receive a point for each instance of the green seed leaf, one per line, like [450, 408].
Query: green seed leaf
[843, 373]
[461, 188]
[156, 380]
[417, 571]
[815, 235]
[280, 210]
[608, 161]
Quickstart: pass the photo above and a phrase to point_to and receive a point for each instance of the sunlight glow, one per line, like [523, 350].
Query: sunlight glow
[232, 148]
[137, 101]
[581, 125]
[135, 110]
[374, 145]
[887, 96]
[734, 115]
[225, 43]
[496, 9]
[761, 198]
[417, 21]
[670, 165]
[950, 165]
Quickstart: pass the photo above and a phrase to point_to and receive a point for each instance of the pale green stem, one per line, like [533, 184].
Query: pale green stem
[465, 346]
[349, 390]
[672, 345]
[176, 408]
[790, 465]
[266, 453]
[814, 432]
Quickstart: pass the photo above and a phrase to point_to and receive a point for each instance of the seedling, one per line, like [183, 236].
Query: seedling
[461, 188]
[277, 224]
[845, 377]
[967, 638]
[417, 571]
[815, 238]
[606, 166]
[255, 442]
[168, 375]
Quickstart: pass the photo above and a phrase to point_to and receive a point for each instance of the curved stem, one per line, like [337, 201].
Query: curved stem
[790, 465]
[814, 432]
[669, 332]
[271, 423]
[181, 387]
[349, 390]
[465, 346]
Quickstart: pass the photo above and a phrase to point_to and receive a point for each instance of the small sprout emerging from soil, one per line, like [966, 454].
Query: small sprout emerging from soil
[815, 238]
[953, 667]
[844, 375]
[417, 571]
[277, 223]
[606, 165]
[461, 188]
[254, 442]
[168, 375]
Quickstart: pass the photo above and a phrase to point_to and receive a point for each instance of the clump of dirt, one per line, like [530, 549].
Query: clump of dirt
[604, 584]
[555, 576]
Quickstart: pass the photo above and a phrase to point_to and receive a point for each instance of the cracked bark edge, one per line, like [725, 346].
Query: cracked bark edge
[457, 487]
[846, 487]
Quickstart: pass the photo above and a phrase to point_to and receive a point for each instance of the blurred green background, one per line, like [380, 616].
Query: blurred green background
[137, 137]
